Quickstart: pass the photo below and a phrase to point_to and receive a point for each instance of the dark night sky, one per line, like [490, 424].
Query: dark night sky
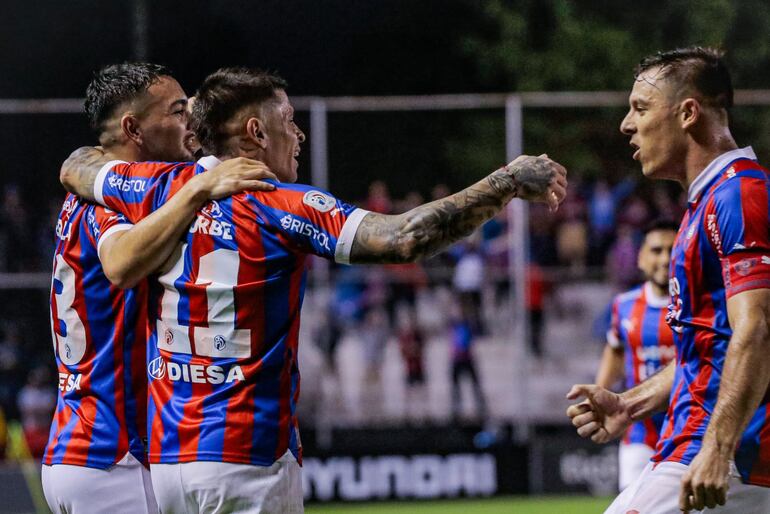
[49, 49]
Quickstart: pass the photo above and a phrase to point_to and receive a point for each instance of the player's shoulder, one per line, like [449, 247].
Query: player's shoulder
[743, 177]
[631, 295]
[297, 195]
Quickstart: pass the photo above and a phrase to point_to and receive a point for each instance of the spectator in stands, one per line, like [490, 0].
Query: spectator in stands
[379, 198]
[572, 232]
[11, 368]
[411, 343]
[37, 401]
[621, 262]
[463, 363]
[537, 287]
[468, 282]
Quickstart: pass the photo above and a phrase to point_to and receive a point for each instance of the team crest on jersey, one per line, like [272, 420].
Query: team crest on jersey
[219, 342]
[319, 201]
[169, 337]
[744, 266]
[157, 368]
[212, 210]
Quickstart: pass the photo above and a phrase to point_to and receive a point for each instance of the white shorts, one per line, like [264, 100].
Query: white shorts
[226, 487]
[656, 491]
[125, 488]
[632, 459]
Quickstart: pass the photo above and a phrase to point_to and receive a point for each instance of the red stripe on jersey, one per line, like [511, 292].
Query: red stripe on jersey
[161, 392]
[651, 433]
[754, 207]
[761, 469]
[250, 312]
[635, 335]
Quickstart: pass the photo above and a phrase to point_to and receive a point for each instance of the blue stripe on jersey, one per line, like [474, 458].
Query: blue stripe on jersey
[135, 443]
[748, 449]
[267, 388]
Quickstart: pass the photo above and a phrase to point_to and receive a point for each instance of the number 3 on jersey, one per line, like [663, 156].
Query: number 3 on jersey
[218, 273]
[69, 338]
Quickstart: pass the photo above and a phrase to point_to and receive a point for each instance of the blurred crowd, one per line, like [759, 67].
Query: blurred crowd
[595, 234]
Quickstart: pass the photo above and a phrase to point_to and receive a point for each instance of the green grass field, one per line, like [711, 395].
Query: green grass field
[509, 505]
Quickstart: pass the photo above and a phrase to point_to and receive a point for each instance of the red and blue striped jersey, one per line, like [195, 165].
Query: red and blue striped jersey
[99, 339]
[639, 327]
[222, 356]
[722, 248]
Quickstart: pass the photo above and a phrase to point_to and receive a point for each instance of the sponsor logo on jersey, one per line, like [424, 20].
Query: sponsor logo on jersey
[292, 224]
[205, 225]
[319, 201]
[201, 374]
[63, 229]
[69, 382]
[157, 368]
[137, 185]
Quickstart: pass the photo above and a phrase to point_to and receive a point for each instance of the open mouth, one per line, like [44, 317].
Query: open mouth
[636, 151]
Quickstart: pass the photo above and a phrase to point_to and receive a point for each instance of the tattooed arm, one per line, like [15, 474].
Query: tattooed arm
[78, 173]
[432, 227]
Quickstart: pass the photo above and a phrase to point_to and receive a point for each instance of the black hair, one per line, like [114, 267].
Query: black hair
[224, 94]
[694, 69]
[116, 84]
[660, 224]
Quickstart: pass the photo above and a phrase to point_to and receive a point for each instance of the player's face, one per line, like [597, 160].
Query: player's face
[656, 136]
[655, 256]
[164, 120]
[283, 139]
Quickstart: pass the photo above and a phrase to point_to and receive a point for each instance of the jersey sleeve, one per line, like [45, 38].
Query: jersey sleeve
[312, 220]
[738, 228]
[103, 223]
[613, 333]
[136, 189]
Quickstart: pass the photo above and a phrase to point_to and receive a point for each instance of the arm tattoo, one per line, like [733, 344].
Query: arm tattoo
[432, 227]
[78, 173]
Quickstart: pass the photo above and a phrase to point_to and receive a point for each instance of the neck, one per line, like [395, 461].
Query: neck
[660, 291]
[705, 150]
[128, 153]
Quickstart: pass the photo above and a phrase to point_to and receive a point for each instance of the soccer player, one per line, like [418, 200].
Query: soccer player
[223, 370]
[639, 343]
[95, 457]
[716, 434]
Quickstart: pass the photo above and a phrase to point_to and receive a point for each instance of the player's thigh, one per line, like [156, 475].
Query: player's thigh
[632, 459]
[82, 490]
[655, 491]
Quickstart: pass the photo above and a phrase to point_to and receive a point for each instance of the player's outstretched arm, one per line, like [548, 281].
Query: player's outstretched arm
[604, 415]
[745, 380]
[432, 227]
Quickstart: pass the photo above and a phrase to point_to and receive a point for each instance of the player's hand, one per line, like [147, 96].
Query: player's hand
[539, 179]
[706, 481]
[602, 416]
[236, 175]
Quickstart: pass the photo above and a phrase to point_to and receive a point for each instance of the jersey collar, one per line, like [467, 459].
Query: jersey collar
[208, 162]
[653, 300]
[715, 168]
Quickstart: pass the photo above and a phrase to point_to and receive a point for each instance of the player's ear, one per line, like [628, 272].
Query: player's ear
[131, 128]
[255, 131]
[689, 112]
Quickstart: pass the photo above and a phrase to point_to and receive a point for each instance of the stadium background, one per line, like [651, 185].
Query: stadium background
[368, 433]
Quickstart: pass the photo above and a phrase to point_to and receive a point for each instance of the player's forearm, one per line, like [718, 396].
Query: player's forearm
[652, 395]
[744, 382]
[429, 228]
[610, 368]
[78, 172]
[136, 253]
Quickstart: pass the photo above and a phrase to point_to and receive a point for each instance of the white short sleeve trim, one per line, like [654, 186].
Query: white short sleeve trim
[348, 233]
[108, 233]
[612, 339]
[99, 182]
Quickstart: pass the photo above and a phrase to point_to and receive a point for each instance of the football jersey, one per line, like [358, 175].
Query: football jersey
[639, 327]
[99, 339]
[222, 356]
[722, 248]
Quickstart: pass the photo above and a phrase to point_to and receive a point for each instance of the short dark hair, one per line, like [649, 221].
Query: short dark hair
[222, 95]
[696, 68]
[660, 224]
[116, 84]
